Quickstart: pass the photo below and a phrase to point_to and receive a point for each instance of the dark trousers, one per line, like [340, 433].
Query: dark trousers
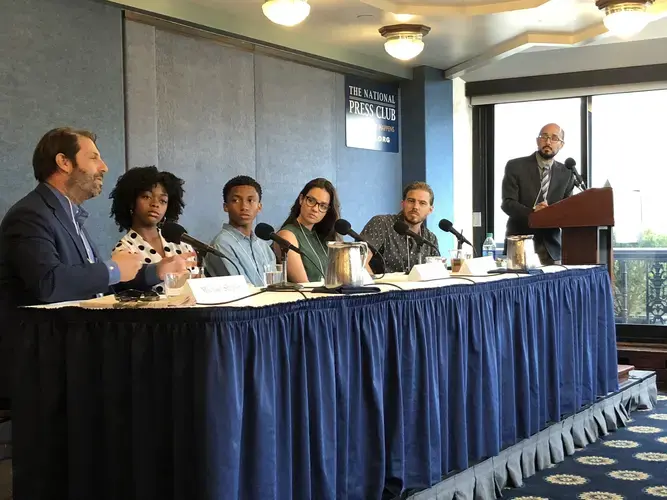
[543, 254]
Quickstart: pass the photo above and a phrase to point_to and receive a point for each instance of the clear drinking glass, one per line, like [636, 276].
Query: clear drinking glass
[457, 258]
[174, 283]
[273, 274]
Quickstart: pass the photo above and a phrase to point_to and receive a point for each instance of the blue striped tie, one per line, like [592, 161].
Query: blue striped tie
[545, 182]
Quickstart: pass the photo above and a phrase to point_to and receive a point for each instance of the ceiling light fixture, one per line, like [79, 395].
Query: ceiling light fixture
[286, 12]
[404, 41]
[625, 18]
[403, 18]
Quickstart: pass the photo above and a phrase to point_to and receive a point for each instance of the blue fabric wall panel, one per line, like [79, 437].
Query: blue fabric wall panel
[60, 64]
[140, 95]
[299, 112]
[205, 121]
[296, 139]
[369, 182]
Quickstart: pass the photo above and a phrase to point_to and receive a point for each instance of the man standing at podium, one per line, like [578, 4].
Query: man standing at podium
[532, 183]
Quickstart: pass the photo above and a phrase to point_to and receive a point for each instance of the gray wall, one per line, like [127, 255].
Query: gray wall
[208, 112]
[60, 64]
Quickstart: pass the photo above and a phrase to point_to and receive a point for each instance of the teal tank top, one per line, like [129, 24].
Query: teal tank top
[313, 247]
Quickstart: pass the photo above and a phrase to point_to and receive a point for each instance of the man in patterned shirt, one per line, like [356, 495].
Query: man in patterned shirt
[400, 252]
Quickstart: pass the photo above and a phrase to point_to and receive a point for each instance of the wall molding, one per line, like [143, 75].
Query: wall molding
[256, 46]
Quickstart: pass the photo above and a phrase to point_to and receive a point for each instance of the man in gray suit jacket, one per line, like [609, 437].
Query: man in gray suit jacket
[532, 183]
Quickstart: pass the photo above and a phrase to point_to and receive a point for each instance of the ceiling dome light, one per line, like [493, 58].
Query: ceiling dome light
[286, 12]
[625, 19]
[404, 41]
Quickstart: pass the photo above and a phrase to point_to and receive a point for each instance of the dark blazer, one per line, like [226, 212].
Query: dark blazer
[43, 259]
[520, 188]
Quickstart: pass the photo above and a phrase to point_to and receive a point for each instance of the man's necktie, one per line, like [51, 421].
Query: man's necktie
[80, 217]
[545, 182]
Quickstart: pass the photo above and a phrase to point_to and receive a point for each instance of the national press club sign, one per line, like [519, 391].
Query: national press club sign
[371, 115]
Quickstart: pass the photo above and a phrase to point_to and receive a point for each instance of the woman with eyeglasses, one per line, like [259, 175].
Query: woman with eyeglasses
[141, 201]
[309, 226]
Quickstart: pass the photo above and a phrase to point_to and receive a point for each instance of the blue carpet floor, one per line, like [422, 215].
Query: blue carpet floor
[630, 463]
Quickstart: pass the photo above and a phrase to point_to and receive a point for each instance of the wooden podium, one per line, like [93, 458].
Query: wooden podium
[586, 219]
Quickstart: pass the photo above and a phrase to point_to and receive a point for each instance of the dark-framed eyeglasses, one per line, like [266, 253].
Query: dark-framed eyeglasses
[547, 137]
[311, 202]
[137, 296]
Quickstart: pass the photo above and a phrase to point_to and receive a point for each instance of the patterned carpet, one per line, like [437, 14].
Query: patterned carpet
[630, 463]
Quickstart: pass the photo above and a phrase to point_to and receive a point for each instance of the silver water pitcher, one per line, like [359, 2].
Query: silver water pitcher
[521, 252]
[346, 264]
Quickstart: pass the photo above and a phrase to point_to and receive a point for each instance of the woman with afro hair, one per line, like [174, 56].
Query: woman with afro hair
[142, 200]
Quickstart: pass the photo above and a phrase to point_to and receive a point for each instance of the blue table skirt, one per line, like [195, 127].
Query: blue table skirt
[326, 399]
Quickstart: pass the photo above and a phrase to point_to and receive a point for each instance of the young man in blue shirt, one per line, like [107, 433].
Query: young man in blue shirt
[245, 253]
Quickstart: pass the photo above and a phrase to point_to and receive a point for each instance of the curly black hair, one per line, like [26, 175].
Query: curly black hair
[138, 180]
[241, 180]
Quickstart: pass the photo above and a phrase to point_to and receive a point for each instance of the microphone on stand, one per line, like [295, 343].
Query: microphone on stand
[570, 164]
[344, 228]
[402, 228]
[266, 232]
[175, 233]
[448, 227]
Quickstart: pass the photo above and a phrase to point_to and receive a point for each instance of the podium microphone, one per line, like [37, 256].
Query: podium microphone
[570, 164]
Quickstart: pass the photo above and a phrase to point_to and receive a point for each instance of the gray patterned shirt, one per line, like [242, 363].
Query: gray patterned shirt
[400, 252]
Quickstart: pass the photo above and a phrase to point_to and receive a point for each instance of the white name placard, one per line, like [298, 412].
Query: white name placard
[478, 266]
[216, 290]
[430, 271]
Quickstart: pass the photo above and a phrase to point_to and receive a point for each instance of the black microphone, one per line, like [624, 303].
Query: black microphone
[570, 164]
[402, 228]
[448, 227]
[344, 228]
[266, 233]
[175, 233]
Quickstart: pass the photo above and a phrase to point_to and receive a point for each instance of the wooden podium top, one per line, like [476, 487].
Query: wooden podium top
[590, 208]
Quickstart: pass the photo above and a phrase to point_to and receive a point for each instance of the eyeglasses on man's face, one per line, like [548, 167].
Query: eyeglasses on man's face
[311, 202]
[546, 137]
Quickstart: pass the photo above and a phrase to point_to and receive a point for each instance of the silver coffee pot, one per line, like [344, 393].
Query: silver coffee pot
[521, 252]
[346, 264]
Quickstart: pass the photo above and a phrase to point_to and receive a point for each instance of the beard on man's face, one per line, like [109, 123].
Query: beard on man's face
[84, 183]
[548, 154]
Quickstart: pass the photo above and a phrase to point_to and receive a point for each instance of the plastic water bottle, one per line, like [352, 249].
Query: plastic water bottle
[489, 247]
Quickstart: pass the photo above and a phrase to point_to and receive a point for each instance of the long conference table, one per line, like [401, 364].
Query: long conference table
[281, 398]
